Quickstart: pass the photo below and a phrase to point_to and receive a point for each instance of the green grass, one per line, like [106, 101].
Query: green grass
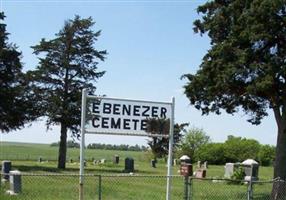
[150, 184]
[24, 151]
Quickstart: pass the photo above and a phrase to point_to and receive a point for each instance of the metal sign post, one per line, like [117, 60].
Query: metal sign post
[111, 116]
[83, 116]
[170, 155]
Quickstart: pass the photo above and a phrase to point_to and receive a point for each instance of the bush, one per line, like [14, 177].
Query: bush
[266, 155]
[237, 149]
[55, 144]
[70, 144]
[213, 153]
[238, 174]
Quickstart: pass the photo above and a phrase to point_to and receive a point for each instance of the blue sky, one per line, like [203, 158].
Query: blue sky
[150, 45]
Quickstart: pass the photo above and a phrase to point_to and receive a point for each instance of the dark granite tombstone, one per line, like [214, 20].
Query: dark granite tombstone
[153, 163]
[15, 182]
[129, 165]
[6, 167]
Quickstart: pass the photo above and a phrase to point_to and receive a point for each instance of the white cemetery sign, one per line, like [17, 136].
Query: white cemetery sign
[122, 116]
[111, 116]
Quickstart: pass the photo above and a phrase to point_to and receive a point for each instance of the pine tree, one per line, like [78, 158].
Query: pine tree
[16, 102]
[245, 67]
[68, 64]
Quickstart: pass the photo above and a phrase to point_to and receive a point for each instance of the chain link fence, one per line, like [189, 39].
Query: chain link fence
[134, 187]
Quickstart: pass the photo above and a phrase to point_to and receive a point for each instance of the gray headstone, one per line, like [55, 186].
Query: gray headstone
[247, 170]
[250, 169]
[15, 182]
[40, 159]
[6, 167]
[116, 159]
[153, 163]
[102, 161]
[129, 165]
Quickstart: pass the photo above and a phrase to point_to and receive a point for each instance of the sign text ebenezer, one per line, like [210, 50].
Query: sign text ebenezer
[122, 116]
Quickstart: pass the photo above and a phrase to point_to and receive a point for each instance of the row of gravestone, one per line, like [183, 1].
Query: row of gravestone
[249, 167]
[102, 161]
[129, 163]
[186, 168]
[116, 161]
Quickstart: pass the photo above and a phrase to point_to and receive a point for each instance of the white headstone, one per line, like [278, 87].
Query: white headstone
[229, 169]
[205, 165]
[199, 165]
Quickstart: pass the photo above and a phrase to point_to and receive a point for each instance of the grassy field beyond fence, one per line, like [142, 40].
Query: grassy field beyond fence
[32, 152]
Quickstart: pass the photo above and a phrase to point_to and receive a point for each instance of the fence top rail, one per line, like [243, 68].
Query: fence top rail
[95, 175]
[140, 176]
[143, 176]
[48, 174]
[231, 180]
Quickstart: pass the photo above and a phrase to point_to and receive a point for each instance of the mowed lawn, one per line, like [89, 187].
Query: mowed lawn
[26, 151]
[145, 183]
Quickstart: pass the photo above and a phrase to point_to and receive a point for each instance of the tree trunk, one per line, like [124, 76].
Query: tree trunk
[62, 147]
[279, 187]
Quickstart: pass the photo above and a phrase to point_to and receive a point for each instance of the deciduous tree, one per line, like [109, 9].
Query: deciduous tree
[193, 139]
[237, 149]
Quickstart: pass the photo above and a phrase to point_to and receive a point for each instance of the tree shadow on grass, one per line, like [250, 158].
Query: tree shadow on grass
[52, 169]
[25, 168]
[75, 170]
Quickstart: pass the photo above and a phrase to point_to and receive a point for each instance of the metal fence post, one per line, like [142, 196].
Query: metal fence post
[99, 187]
[250, 190]
[186, 187]
[190, 189]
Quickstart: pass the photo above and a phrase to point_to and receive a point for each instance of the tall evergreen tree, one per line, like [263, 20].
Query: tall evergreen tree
[245, 67]
[68, 64]
[16, 105]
